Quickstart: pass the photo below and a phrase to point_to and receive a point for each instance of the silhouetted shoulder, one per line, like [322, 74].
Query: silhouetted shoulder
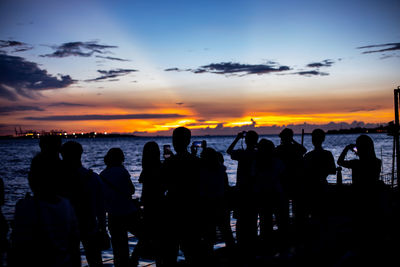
[320, 156]
[238, 154]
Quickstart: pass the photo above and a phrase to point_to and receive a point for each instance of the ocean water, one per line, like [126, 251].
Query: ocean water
[16, 155]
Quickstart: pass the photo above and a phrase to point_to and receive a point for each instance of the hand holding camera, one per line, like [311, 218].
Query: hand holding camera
[242, 134]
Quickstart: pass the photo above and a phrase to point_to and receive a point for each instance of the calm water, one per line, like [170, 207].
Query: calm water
[16, 155]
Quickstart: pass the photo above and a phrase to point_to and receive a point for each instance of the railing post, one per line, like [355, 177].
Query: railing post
[396, 132]
[339, 177]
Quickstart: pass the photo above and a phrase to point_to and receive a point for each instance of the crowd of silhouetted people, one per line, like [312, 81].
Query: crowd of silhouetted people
[281, 200]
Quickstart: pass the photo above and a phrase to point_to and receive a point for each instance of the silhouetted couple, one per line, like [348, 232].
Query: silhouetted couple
[260, 193]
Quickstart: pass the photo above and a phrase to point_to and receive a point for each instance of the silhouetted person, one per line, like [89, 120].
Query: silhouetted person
[84, 190]
[319, 163]
[365, 170]
[246, 231]
[213, 212]
[367, 190]
[153, 197]
[291, 154]
[122, 211]
[182, 225]
[45, 231]
[49, 155]
[268, 194]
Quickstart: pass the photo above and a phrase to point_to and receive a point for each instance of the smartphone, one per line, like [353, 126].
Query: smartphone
[355, 149]
[167, 151]
[197, 143]
[244, 133]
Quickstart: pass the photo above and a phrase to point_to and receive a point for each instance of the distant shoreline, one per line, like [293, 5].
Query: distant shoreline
[379, 130]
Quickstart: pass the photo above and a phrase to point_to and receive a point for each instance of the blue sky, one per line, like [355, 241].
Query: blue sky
[272, 42]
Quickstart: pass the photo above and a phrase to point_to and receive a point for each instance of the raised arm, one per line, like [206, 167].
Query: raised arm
[232, 146]
[341, 160]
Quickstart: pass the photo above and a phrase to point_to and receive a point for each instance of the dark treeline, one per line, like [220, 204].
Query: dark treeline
[286, 213]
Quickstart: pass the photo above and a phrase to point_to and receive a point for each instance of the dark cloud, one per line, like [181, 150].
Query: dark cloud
[67, 104]
[202, 124]
[384, 48]
[180, 103]
[113, 58]
[324, 63]
[245, 69]
[231, 68]
[104, 117]
[80, 49]
[311, 73]
[7, 93]
[9, 109]
[26, 78]
[111, 74]
[364, 109]
[15, 45]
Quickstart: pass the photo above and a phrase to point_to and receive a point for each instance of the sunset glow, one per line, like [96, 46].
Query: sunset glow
[146, 67]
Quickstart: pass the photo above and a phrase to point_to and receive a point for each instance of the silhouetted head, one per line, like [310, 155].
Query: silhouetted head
[286, 135]
[181, 139]
[114, 157]
[251, 139]
[43, 177]
[151, 154]
[266, 148]
[71, 152]
[50, 145]
[365, 147]
[318, 137]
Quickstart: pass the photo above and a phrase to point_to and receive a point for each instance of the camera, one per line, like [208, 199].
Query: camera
[197, 143]
[167, 151]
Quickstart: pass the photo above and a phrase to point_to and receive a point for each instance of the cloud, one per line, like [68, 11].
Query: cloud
[104, 117]
[231, 68]
[311, 73]
[324, 63]
[67, 104]
[80, 49]
[111, 74]
[364, 109]
[16, 45]
[9, 109]
[26, 78]
[7, 93]
[202, 124]
[385, 47]
[113, 58]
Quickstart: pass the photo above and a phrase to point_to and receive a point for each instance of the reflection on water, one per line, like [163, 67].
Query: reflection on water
[16, 155]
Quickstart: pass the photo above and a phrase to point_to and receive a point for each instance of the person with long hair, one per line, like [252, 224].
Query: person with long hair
[152, 200]
[366, 169]
[367, 199]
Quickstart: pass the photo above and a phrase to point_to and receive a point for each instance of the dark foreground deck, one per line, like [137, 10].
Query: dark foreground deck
[338, 241]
